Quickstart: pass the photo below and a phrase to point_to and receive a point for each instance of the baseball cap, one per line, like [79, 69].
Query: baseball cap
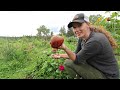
[80, 18]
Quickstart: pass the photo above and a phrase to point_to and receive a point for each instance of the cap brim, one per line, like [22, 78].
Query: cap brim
[71, 23]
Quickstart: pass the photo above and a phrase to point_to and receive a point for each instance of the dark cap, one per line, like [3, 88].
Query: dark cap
[80, 18]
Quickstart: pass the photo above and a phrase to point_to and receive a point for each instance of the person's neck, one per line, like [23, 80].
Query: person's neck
[86, 36]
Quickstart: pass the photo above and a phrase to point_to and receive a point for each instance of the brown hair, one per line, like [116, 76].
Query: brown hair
[101, 29]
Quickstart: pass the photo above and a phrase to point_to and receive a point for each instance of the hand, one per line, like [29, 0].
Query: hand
[55, 56]
[62, 47]
[54, 50]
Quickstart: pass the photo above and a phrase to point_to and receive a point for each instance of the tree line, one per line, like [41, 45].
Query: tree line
[43, 31]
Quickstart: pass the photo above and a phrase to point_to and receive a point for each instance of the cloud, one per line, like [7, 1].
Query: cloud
[55, 30]
[19, 23]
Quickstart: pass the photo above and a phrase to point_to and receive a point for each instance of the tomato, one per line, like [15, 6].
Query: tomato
[56, 41]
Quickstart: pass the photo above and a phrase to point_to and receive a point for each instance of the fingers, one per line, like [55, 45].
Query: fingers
[55, 56]
[62, 46]
[54, 50]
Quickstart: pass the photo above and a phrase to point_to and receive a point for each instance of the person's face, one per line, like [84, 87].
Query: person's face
[80, 30]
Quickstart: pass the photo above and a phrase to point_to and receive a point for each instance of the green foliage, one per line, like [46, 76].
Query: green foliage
[72, 39]
[49, 69]
[112, 25]
[95, 18]
[42, 30]
[70, 32]
[62, 31]
[29, 58]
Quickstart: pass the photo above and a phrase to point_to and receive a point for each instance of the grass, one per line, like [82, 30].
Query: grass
[29, 58]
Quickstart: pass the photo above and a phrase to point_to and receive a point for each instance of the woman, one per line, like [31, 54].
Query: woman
[94, 57]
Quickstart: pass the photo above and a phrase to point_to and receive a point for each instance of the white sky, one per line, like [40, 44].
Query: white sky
[19, 23]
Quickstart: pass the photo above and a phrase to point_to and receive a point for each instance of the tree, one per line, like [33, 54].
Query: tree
[62, 30]
[70, 32]
[51, 34]
[94, 18]
[43, 31]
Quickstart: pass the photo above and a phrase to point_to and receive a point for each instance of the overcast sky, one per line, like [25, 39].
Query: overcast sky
[19, 23]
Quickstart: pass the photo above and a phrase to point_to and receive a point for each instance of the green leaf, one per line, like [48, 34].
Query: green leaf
[49, 69]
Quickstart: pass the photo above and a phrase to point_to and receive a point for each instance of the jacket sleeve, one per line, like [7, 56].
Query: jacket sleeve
[78, 46]
[90, 50]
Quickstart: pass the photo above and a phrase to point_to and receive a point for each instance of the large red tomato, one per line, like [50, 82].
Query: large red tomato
[56, 41]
